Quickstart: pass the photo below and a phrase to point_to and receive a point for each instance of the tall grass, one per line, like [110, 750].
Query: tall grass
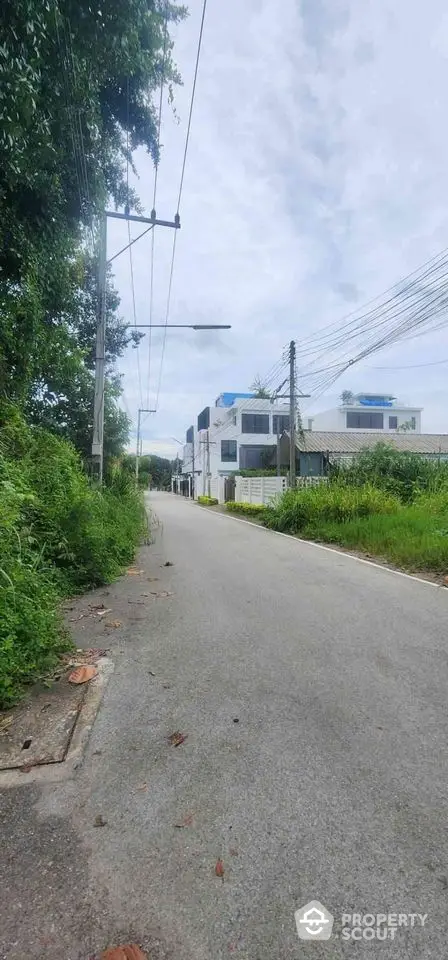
[58, 535]
[296, 510]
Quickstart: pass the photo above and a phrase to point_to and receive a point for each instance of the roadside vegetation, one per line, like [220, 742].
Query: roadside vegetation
[391, 505]
[80, 91]
[207, 501]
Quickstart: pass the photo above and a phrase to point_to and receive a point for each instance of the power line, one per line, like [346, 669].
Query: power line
[184, 161]
[131, 264]
[410, 366]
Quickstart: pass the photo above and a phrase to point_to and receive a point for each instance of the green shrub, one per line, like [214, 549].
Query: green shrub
[59, 534]
[207, 501]
[248, 509]
[338, 503]
[403, 474]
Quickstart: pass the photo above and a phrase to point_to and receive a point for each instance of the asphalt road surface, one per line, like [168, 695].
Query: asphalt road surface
[312, 692]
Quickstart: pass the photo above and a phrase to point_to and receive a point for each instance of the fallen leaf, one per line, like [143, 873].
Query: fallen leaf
[82, 674]
[136, 601]
[133, 572]
[219, 869]
[99, 821]
[113, 623]
[177, 738]
[143, 786]
[129, 951]
[26, 768]
[161, 593]
[185, 822]
[102, 613]
[5, 723]
[75, 619]
[168, 563]
[151, 579]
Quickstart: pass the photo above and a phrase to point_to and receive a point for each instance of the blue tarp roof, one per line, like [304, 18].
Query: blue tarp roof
[228, 399]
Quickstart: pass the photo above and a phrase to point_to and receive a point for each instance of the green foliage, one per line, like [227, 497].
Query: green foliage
[152, 471]
[257, 472]
[247, 509]
[412, 538]
[207, 501]
[59, 535]
[296, 510]
[78, 83]
[402, 474]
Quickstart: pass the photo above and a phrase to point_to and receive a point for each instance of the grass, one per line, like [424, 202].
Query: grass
[410, 538]
[246, 509]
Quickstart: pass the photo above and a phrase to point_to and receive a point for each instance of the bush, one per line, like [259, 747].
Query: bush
[248, 509]
[295, 510]
[208, 501]
[405, 475]
[59, 534]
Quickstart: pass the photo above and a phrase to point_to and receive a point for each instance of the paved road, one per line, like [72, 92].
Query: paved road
[331, 786]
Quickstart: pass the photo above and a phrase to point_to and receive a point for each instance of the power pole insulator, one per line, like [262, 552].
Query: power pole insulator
[177, 220]
[153, 214]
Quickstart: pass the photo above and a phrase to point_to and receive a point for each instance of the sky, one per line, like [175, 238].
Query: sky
[316, 177]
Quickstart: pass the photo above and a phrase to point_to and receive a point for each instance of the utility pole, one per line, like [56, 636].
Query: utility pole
[208, 463]
[292, 414]
[193, 466]
[138, 451]
[278, 448]
[100, 359]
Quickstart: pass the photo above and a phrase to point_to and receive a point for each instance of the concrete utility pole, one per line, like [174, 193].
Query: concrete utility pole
[193, 468]
[100, 359]
[138, 452]
[292, 414]
[208, 464]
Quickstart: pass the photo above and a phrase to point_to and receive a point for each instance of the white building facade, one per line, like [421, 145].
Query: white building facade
[369, 411]
[238, 432]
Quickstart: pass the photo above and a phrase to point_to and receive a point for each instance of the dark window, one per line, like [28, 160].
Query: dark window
[255, 423]
[204, 419]
[280, 423]
[228, 451]
[393, 423]
[190, 435]
[254, 457]
[413, 423]
[365, 421]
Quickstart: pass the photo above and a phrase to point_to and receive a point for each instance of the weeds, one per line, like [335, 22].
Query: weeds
[59, 535]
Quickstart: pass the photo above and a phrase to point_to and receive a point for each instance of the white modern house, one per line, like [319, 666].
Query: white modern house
[368, 411]
[242, 432]
[238, 432]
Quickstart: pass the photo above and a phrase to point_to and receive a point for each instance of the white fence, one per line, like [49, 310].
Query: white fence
[258, 489]
[310, 481]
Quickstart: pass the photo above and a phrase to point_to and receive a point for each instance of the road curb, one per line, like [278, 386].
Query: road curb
[51, 772]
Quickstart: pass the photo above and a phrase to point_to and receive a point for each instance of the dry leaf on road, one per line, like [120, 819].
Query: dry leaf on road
[185, 822]
[82, 674]
[133, 572]
[113, 623]
[177, 738]
[219, 869]
[129, 951]
[161, 593]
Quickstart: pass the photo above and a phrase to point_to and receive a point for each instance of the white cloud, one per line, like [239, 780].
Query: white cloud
[316, 177]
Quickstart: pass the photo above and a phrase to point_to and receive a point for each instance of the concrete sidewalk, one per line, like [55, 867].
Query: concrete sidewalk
[311, 690]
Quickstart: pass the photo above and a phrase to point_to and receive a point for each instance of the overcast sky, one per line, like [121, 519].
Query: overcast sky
[316, 177]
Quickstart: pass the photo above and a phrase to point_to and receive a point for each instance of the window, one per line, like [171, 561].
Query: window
[228, 451]
[413, 423]
[393, 423]
[280, 423]
[256, 457]
[255, 423]
[365, 421]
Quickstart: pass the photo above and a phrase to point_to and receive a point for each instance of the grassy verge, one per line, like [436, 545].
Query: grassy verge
[59, 535]
[413, 536]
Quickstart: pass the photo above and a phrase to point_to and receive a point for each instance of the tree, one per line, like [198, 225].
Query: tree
[78, 82]
[259, 389]
[347, 396]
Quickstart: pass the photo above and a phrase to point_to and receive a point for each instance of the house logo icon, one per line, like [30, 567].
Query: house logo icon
[314, 922]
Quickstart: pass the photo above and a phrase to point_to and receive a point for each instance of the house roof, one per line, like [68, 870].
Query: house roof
[319, 441]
